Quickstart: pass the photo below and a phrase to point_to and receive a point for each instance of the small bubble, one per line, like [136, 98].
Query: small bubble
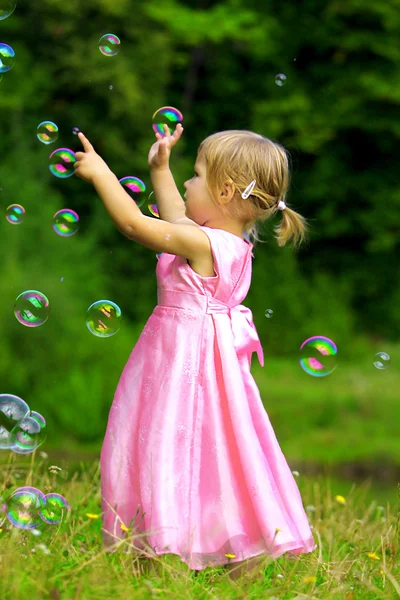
[75, 130]
[382, 361]
[110, 87]
[269, 313]
[109, 44]
[280, 79]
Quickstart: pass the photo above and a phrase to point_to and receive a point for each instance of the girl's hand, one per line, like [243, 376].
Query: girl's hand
[160, 150]
[89, 164]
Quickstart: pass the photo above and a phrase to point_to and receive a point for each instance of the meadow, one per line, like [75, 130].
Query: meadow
[356, 557]
[348, 416]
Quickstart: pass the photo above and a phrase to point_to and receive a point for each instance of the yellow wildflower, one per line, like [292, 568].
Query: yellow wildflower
[373, 556]
[124, 527]
[230, 555]
[341, 499]
[309, 579]
[277, 530]
[91, 516]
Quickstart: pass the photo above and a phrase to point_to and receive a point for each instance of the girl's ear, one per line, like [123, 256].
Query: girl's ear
[227, 192]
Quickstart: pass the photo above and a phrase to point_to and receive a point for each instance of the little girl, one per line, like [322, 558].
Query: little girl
[190, 464]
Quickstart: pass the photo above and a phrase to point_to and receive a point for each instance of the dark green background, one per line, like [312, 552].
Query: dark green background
[338, 115]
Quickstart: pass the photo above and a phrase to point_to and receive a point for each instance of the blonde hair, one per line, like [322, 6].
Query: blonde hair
[238, 157]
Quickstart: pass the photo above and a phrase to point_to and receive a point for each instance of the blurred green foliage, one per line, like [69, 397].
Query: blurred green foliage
[338, 115]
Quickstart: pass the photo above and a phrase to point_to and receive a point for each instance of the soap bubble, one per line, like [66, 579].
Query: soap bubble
[75, 130]
[109, 44]
[23, 506]
[26, 436]
[168, 115]
[62, 163]
[6, 9]
[382, 361]
[47, 132]
[55, 509]
[268, 313]
[15, 214]
[7, 58]
[280, 79]
[12, 410]
[318, 356]
[103, 318]
[152, 206]
[66, 222]
[31, 308]
[135, 188]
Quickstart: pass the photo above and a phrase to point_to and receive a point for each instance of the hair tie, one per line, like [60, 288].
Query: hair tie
[281, 205]
[249, 189]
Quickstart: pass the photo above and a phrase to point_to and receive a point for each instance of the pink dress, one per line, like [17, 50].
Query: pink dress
[190, 462]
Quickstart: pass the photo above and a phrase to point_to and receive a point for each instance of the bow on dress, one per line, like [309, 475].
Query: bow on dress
[244, 331]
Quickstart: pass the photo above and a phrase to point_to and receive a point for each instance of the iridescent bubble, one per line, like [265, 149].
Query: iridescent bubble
[109, 44]
[103, 318]
[152, 206]
[47, 132]
[26, 436]
[66, 222]
[168, 115]
[15, 214]
[32, 308]
[110, 87]
[158, 255]
[269, 313]
[280, 79]
[6, 9]
[42, 422]
[135, 188]
[23, 507]
[318, 356]
[62, 163]
[382, 361]
[55, 509]
[75, 130]
[12, 410]
[7, 58]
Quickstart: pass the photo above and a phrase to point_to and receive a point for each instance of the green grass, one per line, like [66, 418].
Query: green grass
[356, 558]
[351, 415]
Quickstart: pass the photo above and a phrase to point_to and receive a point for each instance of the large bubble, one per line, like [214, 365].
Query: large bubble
[23, 506]
[135, 188]
[152, 206]
[167, 115]
[47, 132]
[12, 410]
[32, 308]
[62, 163]
[55, 509]
[66, 222]
[27, 435]
[103, 318]
[15, 214]
[318, 356]
[7, 58]
[6, 9]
